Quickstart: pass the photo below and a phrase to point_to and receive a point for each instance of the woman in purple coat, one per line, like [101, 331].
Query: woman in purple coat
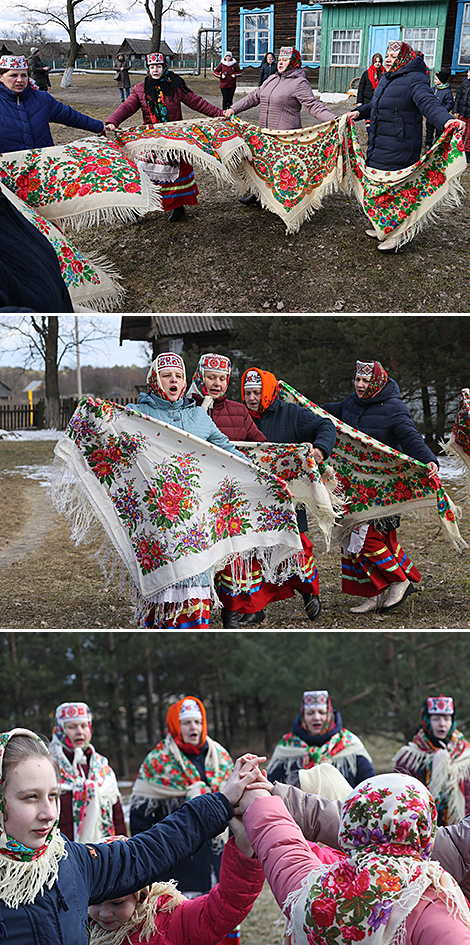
[160, 97]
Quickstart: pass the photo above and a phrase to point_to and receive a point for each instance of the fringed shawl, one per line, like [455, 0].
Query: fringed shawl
[458, 444]
[442, 770]
[163, 897]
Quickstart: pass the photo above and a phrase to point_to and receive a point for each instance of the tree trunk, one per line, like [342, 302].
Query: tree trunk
[156, 21]
[441, 409]
[52, 417]
[72, 31]
[114, 716]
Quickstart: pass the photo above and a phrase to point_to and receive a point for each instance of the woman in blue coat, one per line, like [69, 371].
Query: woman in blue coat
[25, 112]
[48, 881]
[373, 562]
[396, 111]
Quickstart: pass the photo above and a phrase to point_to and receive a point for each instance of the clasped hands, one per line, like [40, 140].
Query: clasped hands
[246, 782]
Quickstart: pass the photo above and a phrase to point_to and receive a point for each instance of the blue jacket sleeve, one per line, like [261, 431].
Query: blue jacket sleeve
[409, 437]
[65, 115]
[117, 869]
[428, 105]
[215, 436]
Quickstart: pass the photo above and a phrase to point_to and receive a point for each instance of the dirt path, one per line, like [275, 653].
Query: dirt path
[31, 522]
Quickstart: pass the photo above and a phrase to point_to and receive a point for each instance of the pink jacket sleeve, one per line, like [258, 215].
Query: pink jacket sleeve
[208, 919]
[431, 924]
[249, 101]
[312, 104]
[285, 855]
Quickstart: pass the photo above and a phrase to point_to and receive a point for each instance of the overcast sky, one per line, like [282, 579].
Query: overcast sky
[133, 22]
[104, 353]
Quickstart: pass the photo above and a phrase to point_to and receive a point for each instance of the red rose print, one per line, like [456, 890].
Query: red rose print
[436, 178]
[323, 911]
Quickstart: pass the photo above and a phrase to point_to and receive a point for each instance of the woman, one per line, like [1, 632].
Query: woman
[185, 764]
[462, 110]
[186, 604]
[25, 112]
[282, 96]
[122, 66]
[387, 891]
[160, 97]
[439, 756]
[48, 881]
[90, 808]
[227, 71]
[268, 67]
[373, 562]
[208, 390]
[318, 736]
[396, 111]
[369, 82]
[37, 70]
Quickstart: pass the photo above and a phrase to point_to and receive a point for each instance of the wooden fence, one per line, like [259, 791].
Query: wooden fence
[22, 417]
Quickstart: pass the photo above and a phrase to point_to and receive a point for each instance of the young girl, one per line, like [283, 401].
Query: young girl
[162, 916]
[47, 882]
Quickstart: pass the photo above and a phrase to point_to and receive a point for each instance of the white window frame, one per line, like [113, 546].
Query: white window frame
[259, 55]
[346, 37]
[301, 29]
[465, 30]
[418, 36]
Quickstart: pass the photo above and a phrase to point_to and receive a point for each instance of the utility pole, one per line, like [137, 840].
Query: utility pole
[79, 373]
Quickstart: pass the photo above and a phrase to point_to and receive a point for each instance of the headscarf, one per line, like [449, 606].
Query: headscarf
[295, 61]
[269, 388]
[24, 872]
[326, 781]
[375, 72]
[157, 89]
[174, 727]
[216, 364]
[162, 897]
[318, 698]
[93, 796]
[374, 373]
[437, 705]
[405, 54]
[167, 359]
[387, 830]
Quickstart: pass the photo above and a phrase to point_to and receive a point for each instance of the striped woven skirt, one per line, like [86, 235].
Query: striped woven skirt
[381, 562]
[181, 191]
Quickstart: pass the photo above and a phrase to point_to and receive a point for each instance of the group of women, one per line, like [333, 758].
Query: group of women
[346, 863]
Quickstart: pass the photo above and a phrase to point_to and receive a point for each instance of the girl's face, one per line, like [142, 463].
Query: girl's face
[282, 63]
[172, 381]
[156, 70]
[377, 61]
[315, 719]
[215, 384]
[390, 59]
[361, 386]
[31, 801]
[191, 731]
[78, 733]
[270, 58]
[113, 913]
[15, 80]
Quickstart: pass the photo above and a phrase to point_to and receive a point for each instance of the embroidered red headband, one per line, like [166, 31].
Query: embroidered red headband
[440, 705]
[13, 62]
[215, 362]
[155, 58]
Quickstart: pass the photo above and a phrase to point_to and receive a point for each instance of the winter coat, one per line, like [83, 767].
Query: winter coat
[122, 67]
[290, 423]
[386, 418]
[137, 100]
[281, 98]
[208, 919]
[287, 862]
[319, 820]
[188, 416]
[396, 116]
[66, 815]
[25, 117]
[462, 99]
[30, 279]
[365, 89]
[445, 97]
[38, 73]
[234, 419]
[92, 873]
[227, 74]
[355, 768]
[266, 69]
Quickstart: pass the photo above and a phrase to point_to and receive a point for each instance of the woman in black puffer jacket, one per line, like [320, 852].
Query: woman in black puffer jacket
[462, 110]
[373, 562]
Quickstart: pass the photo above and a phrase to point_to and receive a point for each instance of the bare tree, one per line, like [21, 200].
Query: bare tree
[70, 18]
[30, 33]
[155, 10]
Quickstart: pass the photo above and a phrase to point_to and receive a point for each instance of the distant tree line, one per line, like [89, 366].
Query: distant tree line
[251, 683]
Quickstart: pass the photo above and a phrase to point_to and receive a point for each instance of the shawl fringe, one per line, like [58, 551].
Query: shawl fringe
[108, 216]
[98, 299]
[21, 882]
[454, 451]
[144, 916]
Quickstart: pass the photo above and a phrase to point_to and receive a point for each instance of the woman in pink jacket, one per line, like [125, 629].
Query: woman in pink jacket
[282, 95]
[386, 891]
[160, 97]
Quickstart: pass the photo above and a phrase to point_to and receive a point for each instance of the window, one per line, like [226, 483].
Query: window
[464, 51]
[423, 39]
[256, 35]
[309, 33]
[345, 47]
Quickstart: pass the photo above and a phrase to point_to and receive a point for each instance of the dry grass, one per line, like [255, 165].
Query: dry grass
[228, 257]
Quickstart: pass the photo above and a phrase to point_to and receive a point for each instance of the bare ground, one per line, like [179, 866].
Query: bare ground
[47, 582]
[228, 257]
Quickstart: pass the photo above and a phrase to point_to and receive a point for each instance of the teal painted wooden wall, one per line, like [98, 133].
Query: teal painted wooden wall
[349, 16]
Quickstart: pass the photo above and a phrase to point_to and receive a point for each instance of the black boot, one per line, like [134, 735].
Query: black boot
[249, 620]
[312, 605]
[177, 214]
[249, 201]
[230, 619]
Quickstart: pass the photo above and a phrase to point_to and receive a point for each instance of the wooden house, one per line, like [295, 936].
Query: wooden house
[177, 333]
[339, 37]
[136, 49]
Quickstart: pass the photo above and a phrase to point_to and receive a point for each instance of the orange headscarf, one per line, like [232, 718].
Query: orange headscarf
[173, 721]
[269, 389]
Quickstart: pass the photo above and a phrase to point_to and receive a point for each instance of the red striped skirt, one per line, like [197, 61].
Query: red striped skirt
[381, 561]
[181, 191]
[195, 613]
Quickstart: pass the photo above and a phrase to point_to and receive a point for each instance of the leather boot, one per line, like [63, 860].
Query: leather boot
[230, 619]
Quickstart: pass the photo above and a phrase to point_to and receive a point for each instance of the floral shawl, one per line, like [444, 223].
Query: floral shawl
[458, 445]
[387, 830]
[169, 772]
[93, 796]
[340, 750]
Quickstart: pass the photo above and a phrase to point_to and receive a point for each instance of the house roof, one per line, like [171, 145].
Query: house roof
[100, 50]
[141, 47]
[146, 327]
[5, 391]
